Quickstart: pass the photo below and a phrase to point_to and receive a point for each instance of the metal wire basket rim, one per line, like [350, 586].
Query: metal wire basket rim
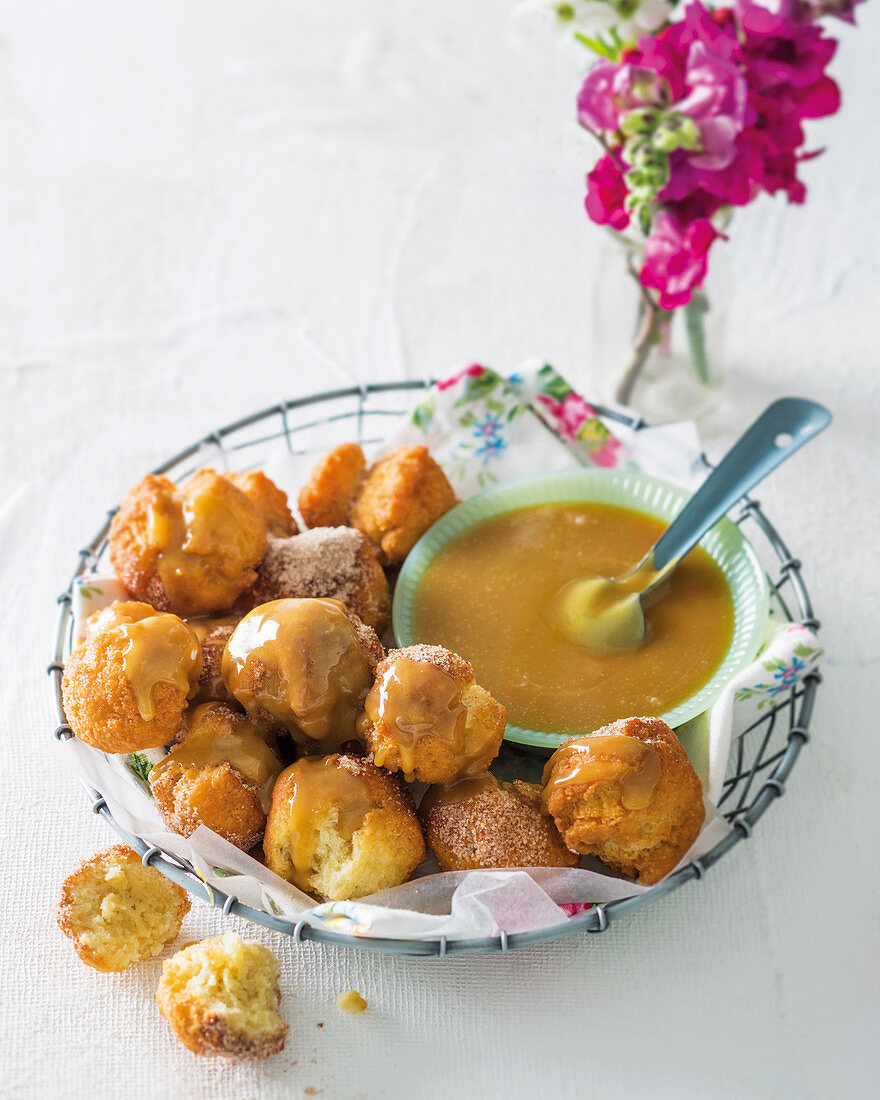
[598, 917]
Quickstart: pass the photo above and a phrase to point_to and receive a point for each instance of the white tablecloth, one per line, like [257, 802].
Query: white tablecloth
[208, 206]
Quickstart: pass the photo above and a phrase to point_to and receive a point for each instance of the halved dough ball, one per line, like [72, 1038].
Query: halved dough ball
[221, 998]
[628, 795]
[339, 827]
[480, 822]
[219, 775]
[119, 912]
[125, 688]
[426, 717]
[192, 550]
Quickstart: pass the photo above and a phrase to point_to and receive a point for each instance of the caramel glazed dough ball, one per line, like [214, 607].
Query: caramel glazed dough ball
[306, 664]
[341, 828]
[426, 717]
[628, 795]
[220, 775]
[193, 550]
[125, 688]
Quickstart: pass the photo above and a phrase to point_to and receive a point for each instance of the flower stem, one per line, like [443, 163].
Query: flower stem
[646, 338]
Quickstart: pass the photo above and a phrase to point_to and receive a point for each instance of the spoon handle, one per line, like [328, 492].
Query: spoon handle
[783, 428]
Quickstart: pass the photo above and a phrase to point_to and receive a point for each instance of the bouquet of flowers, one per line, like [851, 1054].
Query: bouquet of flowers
[698, 110]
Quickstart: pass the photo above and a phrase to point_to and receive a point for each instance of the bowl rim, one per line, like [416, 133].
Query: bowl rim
[507, 496]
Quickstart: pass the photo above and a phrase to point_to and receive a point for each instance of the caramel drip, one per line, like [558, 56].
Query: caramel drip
[606, 757]
[189, 526]
[314, 788]
[215, 734]
[160, 649]
[412, 700]
[301, 661]
[452, 793]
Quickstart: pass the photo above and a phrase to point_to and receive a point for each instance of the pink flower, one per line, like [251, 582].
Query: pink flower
[716, 101]
[473, 371]
[676, 256]
[606, 192]
[611, 91]
[569, 414]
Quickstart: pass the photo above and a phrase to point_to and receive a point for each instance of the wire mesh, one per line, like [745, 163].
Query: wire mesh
[762, 755]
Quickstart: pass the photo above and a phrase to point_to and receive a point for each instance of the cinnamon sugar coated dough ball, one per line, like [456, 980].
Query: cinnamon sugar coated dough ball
[220, 775]
[426, 717]
[403, 494]
[221, 997]
[192, 550]
[326, 498]
[119, 912]
[480, 822]
[269, 500]
[307, 664]
[340, 828]
[125, 687]
[213, 634]
[336, 563]
[628, 795]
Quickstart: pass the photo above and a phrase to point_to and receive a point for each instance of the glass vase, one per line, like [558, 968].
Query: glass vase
[665, 365]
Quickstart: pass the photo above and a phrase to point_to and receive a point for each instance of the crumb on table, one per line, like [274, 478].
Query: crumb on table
[351, 1001]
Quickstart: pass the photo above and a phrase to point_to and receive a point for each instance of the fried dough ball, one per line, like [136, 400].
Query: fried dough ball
[270, 501]
[326, 498]
[307, 664]
[221, 998]
[125, 688]
[480, 822]
[427, 718]
[220, 775]
[213, 633]
[336, 563]
[340, 828]
[119, 912]
[192, 550]
[403, 494]
[628, 795]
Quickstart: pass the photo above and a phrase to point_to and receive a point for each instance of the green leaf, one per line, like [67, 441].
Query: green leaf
[479, 386]
[422, 415]
[140, 767]
[603, 49]
[553, 384]
[221, 872]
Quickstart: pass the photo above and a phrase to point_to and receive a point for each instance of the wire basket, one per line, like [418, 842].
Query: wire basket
[761, 759]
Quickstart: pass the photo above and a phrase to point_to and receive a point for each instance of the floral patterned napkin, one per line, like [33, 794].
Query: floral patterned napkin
[483, 429]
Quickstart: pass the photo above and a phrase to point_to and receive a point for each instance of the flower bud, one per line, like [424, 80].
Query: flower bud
[676, 131]
[641, 120]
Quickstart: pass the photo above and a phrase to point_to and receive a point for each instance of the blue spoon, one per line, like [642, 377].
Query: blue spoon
[606, 614]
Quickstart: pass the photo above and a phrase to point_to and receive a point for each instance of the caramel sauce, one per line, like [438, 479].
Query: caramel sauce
[491, 594]
[606, 757]
[161, 649]
[215, 734]
[452, 793]
[314, 787]
[300, 660]
[414, 699]
[189, 525]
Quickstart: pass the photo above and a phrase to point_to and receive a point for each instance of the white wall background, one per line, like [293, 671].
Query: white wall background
[207, 207]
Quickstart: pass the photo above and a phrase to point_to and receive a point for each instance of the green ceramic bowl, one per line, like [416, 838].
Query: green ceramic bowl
[725, 543]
